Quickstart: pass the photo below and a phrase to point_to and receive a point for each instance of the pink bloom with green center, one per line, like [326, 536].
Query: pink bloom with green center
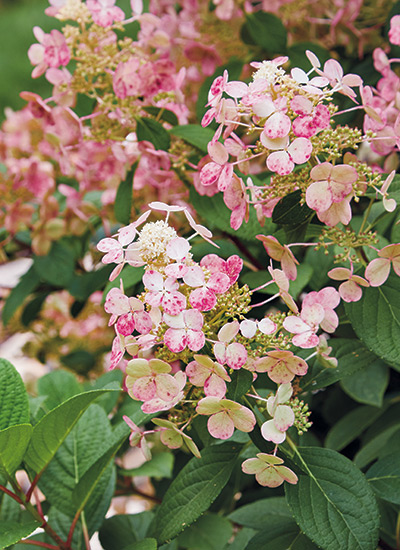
[204, 372]
[163, 292]
[185, 331]
[332, 184]
[305, 326]
[158, 404]
[282, 366]
[231, 266]
[104, 12]
[378, 270]
[282, 415]
[218, 171]
[225, 416]
[234, 354]
[235, 198]
[340, 83]
[268, 470]
[329, 299]
[350, 290]
[150, 379]
[280, 253]
[52, 51]
[138, 437]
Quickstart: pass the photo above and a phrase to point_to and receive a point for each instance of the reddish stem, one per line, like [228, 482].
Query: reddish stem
[11, 494]
[32, 487]
[72, 529]
[39, 543]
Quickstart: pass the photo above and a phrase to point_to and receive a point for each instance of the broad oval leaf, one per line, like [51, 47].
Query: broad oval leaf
[13, 443]
[193, 490]
[350, 427]
[376, 320]
[26, 285]
[13, 531]
[290, 211]
[14, 404]
[268, 31]
[332, 502]
[209, 532]
[123, 199]
[148, 129]
[253, 515]
[194, 134]
[384, 477]
[53, 428]
[369, 384]
[118, 529]
[57, 267]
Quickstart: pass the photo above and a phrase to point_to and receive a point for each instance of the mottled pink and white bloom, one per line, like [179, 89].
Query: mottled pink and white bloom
[332, 184]
[147, 380]
[104, 12]
[204, 297]
[225, 416]
[282, 366]
[204, 372]
[163, 292]
[249, 327]
[282, 415]
[286, 154]
[378, 270]
[350, 290]
[280, 253]
[128, 313]
[232, 266]
[268, 470]
[185, 331]
[52, 51]
[233, 354]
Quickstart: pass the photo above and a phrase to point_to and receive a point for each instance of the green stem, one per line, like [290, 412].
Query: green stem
[366, 214]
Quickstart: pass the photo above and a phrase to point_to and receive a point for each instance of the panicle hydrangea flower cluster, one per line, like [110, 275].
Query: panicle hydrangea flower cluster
[187, 334]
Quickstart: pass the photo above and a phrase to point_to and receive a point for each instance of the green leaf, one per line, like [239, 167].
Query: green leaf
[368, 385]
[119, 529]
[193, 490]
[57, 386]
[290, 211]
[376, 320]
[194, 134]
[123, 199]
[86, 443]
[12, 532]
[350, 427]
[80, 361]
[280, 535]
[253, 515]
[371, 450]
[267, 31]
[54, 427]
[353, 357]
[160, 465]
[13, 443]
[148, 129]
[332, 502]
[384, 477]
[83, 286]
[130, 276]
[14, 404]
[241, 381]
[145, 544]
[209, 532]
[57, 268]
[32, 308]
[241, 539]
[162, 114]
[26, 285]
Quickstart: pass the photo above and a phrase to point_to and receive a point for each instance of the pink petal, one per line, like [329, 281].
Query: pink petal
[236, 355]
[225, 177]
[116, 302]
[277, 126]
[194, 276]
[178, 248]
[217, 152]
[195, 339]
[215, 386]
[144, 388]
[193, 319]
[173, 303]
[220, 425]
[202, 299]
[243, 419]
[166, 387]
[228, 331]
[143, 322]
[219, 283]
[318, 196]
[300, 150]
[248, 328]
[210, 173]
[350, 291]
[175, 339]
[280, 162]
[236, 88]
[283, 418]
[266, 326]
[377, 271]
[271, 433]
[125, 324]
[306, 340]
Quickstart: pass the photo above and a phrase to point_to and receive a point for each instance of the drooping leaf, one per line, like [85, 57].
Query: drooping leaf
[376, 320]
[26, 285]
[268, 31]
[54, 427]
[209, 532]
[123, 199]
[148, 129]
[367, 385]
[83, 285]
[193, 490]
[14, 404]
[12, 532]
[384, 477]
[13, 443]
[332, 502]
[57, 268]
[117, 531]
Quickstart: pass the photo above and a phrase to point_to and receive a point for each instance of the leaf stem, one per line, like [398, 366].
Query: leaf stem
[11, 494]
[39, 543]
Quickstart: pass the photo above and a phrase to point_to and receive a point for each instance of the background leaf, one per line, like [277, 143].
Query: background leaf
[209, 532]
[368, 385]
[384, 477]
[57, 267]
[14, 404]
[267, 31]
[148, 129]
[117, 531]
[26, 285]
